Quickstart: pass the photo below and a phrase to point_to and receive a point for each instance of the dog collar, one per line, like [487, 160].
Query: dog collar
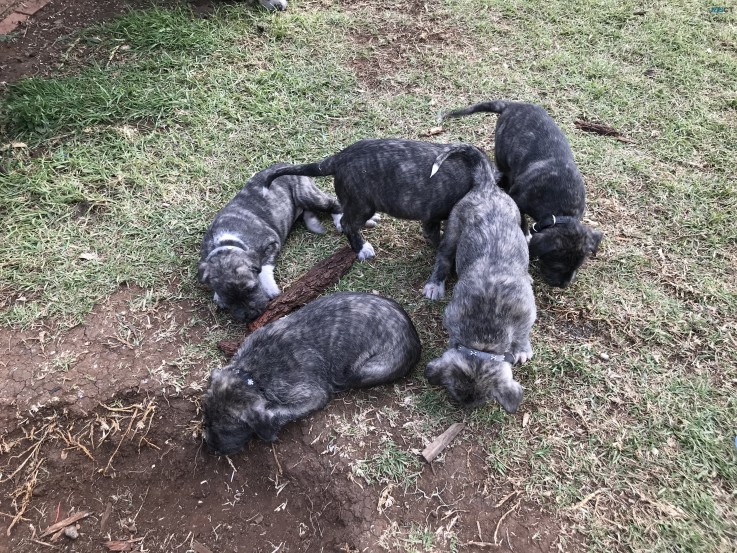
[499, 357]
[226, 244]
[551, 221]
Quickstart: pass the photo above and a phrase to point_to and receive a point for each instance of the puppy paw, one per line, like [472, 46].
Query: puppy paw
[367, 252]
[313, 223]
[266, 278]
[523, 356]
[434, 291]
[218, 301]
[371, 223]
[336, 221]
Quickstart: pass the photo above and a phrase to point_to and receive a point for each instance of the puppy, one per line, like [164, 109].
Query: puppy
[391, 176]
[240, 247]
[490, 316]
[271, 5]
[294, 366]
[542, 178]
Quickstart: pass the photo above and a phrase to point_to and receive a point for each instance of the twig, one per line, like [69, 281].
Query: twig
[278, 465]
[598, 128]
[64, 523]
[506, 498]
[441, 442]
[586, 499]
[112, 55]
[130, 425]
[496, 530]
[39, 542]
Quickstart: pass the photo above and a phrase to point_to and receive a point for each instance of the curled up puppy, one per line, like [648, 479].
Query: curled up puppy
[294, 366]
[240, 247]
[389, 176]
[490, 317]
[540, 175]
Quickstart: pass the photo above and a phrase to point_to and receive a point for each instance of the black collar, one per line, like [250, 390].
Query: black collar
[550, 221]
[498, 357]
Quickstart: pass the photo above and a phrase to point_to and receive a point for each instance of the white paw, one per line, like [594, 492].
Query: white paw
[313, 223]
[371, 223]
[367, 252]
[528, 236]
[336, 221]
[434, 291]
[522, 357]
[266, 278]
[217, 301]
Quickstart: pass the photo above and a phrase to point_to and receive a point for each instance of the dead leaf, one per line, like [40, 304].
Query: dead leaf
[89, 256]
[525, 419]
[434, 131]
[18, 145]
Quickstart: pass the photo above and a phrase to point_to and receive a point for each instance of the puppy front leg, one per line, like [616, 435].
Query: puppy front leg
[431, 232]
[435, 286]
[266, 276]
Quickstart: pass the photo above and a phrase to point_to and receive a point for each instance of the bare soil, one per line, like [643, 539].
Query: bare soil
[103, 418]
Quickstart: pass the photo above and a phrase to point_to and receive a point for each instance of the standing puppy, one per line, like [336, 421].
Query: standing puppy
[542, 178]
[240, 247]
[390, 176]
[492, 311]
[294, 366]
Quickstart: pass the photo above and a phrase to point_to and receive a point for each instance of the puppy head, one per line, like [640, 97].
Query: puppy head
[232, 274]
[233, 413]
[562, 249]
[473, 382]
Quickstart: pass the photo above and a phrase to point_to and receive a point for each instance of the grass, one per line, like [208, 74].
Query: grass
[632, 393]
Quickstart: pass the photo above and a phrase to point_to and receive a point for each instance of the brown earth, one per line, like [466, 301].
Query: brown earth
[103, 418]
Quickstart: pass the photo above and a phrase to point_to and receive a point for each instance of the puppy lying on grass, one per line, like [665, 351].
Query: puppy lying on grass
[390, 176]
[542, 178]
[492, 311]
[240, 247]
[294, 366]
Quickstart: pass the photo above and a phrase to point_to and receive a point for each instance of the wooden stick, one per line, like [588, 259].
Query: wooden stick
[442, 441]
[598, 128]
[305, 289]
[64, 523]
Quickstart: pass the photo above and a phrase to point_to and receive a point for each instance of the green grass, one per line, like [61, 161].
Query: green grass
[631, 394]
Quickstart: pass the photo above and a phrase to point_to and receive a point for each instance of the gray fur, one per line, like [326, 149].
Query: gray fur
[274, 5]
[493, 306]
[400, 177]
[540, 174]
[240, 247]
[294, 366]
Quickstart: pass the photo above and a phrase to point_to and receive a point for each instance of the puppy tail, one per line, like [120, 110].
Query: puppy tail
[267, 176]
[495, 106]
[483, 169]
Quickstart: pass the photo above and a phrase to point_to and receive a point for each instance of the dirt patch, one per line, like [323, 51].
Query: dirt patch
[158, 485]
[130, 342]
[40, 45]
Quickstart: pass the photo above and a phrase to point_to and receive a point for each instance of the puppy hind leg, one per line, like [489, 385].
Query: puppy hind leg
[352, 222]
[313, 223]
[378, 369]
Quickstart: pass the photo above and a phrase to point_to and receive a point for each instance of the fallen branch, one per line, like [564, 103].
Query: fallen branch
[605, 130]
[441, 442]
[305, 289]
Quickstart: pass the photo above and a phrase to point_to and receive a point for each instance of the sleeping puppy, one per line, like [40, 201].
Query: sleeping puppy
[542, 178]
[490, 316]
[240, 247]
[294, 366]
[390, 176]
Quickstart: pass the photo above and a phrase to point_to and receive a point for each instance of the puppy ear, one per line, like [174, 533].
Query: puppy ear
[203, 273]
[593, 240]
[509, 395]
[537, 245]
[262, 421]
[438, 369]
